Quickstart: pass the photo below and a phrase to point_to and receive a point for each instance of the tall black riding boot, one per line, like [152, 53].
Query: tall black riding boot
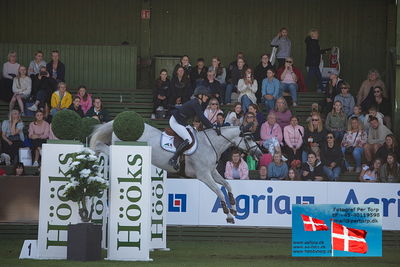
[179, 150]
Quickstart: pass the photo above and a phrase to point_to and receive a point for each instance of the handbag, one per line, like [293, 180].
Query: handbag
[349, 150]
[14, 137]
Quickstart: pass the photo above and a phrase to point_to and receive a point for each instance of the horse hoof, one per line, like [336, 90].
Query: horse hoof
[230, 220]
[231, 198]
[233, 212]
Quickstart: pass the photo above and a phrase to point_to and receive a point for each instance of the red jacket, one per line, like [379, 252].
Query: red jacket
[300, 78]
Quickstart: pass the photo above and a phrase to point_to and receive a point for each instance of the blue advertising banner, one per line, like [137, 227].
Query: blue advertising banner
[330, 230]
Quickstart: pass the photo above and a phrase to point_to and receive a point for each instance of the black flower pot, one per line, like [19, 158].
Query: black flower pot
[84, 242]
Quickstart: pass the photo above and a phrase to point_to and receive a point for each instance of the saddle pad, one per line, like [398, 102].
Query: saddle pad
[167, 143]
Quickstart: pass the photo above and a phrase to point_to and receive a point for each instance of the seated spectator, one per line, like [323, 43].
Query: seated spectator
[271, 134]
[293, 136]
[247, 88]
[270, 90]
[390, 172]
[221, 120]
[382, 105]
[312, 169]
[284, 46]
[185, 64]
[235, 73]
[293, 175]
[12, 135]
[390, 146]
[212, 110]
[22, 86]
[260, 73]
[332, 90]
[353, 143]
[259, 115]
[56, 68]
[60, 99]
[180, 89]
[198, 74]
[161, 92]
[277, 169]
[220, 74]
[263, 173]
[346, 99]
[214, 87]
[336, 121]
[314, 136]
[86, 98]
[315, 108]
[76, 106]
[36, 63]
[331, 158]
[235, 116]
[250, 122]
[370, 174]
[197, 124]
[42, 90]
[236, 168]
[357, 113]
[282, 112]
[366, 92]
[19, 169]
[265, 159]
[10, 71]
[372, 112]
[39, 132]
[98, 112]
[376, 137]
[292, 80]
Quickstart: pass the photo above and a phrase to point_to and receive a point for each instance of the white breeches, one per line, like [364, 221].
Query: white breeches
[180, 129]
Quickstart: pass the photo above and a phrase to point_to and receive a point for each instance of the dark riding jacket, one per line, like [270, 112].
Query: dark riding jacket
[188, 111]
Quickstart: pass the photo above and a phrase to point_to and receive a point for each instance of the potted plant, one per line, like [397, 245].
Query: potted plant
[86, 183]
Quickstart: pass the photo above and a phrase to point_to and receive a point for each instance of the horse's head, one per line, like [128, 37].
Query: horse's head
[247, 143]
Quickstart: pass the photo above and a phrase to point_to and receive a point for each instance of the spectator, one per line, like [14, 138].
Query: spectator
[10, 71]
[12, 135]
[271, 134]
[214, 87]
[390, 146]
[390, 172]
[265, 159]
[60, 99]
[86, 98]
[56, 68]
[371, 173]
[284, 46]
[197, 124]
[34, 66]
[282, 112]
[259, 115]
[376, 137]
[382, 105]
[313, 58]
[365, 94]
[235, 73]
[180, 89]
[293, 136]
[346, 99]
[198, 74]
[247, 88]
[221, 120]
[76, 106]
[332, 158]
[212, 110]
[353, 142]
[19, 169]
[260, 73]
[22, 86]
[312, 170]
[277, 169]
[98, 112]
[372, 112]
[3, 172]
[220, 72]
[236, 168]
[39, 131]
[293, 175]
[161, 92]
[336, 121]
[184, 63]
[250, 122]
[270, 90]
[42, 90]
[314, 136]
[291, 79]
[333, 89]
[263, 173]
[357, 113]
[315, 108]
[235, 116]
[233, 64]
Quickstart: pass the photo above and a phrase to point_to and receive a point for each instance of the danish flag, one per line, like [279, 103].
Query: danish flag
[348, 239]
[312, 224]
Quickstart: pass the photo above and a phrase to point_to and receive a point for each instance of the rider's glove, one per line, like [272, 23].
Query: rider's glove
[217, 130]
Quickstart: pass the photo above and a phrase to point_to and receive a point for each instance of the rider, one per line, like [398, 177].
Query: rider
[182, 114]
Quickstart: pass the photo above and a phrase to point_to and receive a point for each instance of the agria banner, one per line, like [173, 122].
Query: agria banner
[269, 203]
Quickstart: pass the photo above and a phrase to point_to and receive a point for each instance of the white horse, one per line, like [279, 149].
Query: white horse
[201, 164]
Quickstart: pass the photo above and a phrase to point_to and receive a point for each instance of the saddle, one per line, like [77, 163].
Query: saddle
[170, 140]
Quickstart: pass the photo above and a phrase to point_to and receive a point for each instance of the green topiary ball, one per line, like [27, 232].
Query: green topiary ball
[66, 125]
[128, 126]
[87, 126]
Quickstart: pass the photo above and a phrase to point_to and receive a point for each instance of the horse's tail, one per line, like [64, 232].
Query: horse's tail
[101, 137]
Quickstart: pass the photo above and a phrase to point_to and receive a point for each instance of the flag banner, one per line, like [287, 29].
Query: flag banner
[337, 230]
[313, 224]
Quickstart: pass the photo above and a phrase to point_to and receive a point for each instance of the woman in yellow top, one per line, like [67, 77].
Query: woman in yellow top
[60, 99]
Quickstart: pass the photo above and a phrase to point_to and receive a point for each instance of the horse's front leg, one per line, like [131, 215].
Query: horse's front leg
[222, 181]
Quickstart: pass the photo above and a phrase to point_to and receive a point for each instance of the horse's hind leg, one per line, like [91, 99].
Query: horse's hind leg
[209, 181]
[220, 180]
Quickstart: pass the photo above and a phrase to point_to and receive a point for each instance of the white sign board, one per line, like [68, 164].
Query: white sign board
[130, 195]
[29, 250]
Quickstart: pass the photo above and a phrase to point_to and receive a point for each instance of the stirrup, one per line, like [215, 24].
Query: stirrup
[174, 163]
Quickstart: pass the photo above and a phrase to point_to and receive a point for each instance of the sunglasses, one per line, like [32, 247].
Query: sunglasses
[377, 91]
[315, 119]
[214, 103]
[287, 61]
